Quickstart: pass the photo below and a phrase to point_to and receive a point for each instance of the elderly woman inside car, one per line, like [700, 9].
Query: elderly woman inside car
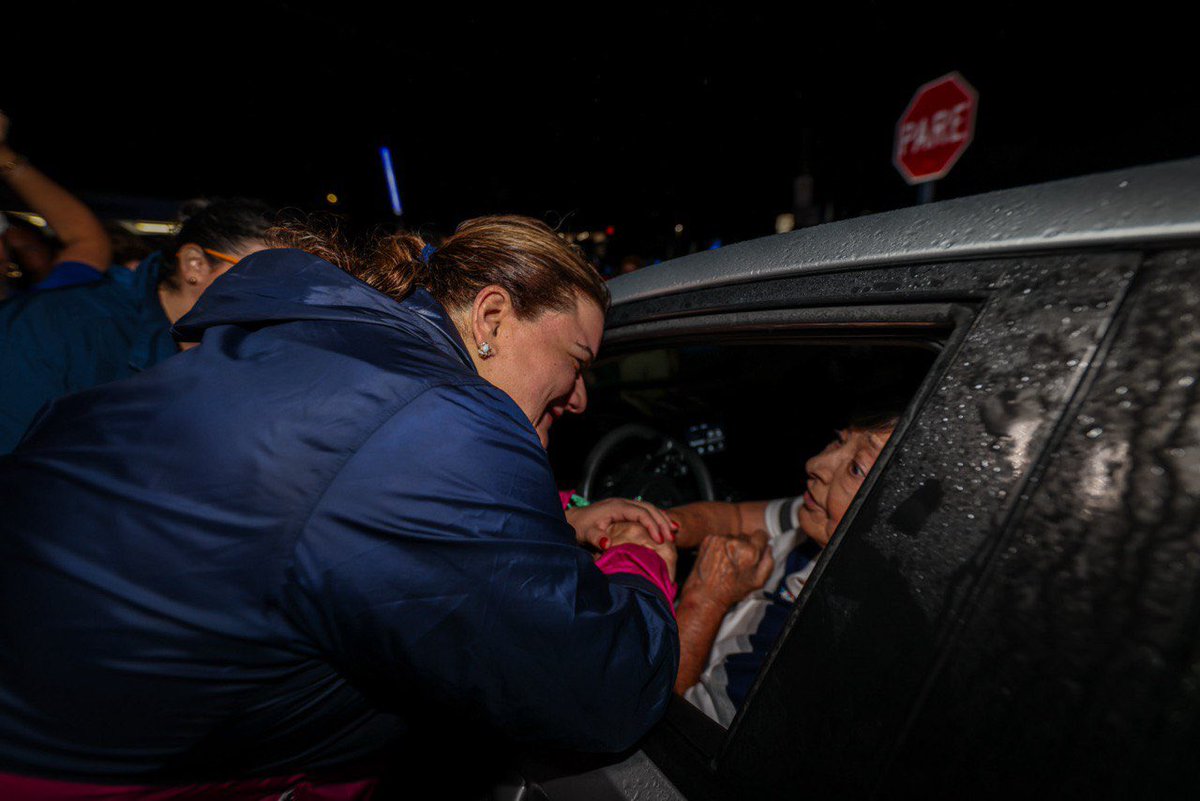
[754, 558]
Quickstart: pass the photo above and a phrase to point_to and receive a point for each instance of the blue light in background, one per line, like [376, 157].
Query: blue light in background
[390, 174]
[716, 244]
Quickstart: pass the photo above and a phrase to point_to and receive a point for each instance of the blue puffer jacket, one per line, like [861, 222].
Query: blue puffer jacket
[261, 555]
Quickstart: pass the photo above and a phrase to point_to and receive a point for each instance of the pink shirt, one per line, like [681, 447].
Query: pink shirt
[640, 561]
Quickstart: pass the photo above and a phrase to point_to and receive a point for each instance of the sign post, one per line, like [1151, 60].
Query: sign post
[934, 131]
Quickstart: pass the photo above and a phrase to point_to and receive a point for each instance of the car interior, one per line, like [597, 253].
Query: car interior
[727, 422]
[726, 417]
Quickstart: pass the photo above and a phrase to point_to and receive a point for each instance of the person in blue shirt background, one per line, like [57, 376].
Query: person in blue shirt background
[80, 251]
[55, 343]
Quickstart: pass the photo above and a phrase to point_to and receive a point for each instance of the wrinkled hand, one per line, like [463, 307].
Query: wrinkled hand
[636, 534]
[593, 522]
[730, 567]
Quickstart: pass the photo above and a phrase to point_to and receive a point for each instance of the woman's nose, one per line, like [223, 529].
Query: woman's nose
[578, 400]
[820, 466]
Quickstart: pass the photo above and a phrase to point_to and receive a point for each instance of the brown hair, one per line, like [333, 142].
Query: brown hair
[540, 270]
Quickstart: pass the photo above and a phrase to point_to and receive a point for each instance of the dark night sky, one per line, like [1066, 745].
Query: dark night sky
[605, 116]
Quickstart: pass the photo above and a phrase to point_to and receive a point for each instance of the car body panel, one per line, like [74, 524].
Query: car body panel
[1153, 205]
[1010, 605]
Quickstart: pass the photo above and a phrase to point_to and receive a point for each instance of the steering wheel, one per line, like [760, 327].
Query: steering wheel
[658, 468]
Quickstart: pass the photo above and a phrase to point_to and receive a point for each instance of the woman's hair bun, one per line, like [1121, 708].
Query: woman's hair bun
[400, 248]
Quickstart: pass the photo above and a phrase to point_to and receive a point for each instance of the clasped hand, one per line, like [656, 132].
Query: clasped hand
[729, 567]
[592, 523]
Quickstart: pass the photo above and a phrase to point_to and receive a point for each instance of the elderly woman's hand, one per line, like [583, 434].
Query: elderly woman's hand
[729, 567]
[630, 533]
[591, 523]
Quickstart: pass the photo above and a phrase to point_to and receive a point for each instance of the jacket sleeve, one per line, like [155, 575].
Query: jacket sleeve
[438, 568]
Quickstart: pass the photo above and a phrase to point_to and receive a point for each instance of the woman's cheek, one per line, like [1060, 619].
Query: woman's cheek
[812, 524]
[837, 504]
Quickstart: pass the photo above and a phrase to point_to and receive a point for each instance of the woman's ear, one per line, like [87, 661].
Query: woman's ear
[492, 308]
[193, 265]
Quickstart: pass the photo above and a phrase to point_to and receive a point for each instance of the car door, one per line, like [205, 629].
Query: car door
[1072, 672]
[829, 712]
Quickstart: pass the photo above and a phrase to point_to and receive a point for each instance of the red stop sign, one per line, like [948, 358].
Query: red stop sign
[935, 129]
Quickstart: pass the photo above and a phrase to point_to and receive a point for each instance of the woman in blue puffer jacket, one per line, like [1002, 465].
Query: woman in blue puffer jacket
[256, 563]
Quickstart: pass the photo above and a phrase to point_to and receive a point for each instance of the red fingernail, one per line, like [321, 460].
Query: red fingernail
[674, 524]
[604, 543]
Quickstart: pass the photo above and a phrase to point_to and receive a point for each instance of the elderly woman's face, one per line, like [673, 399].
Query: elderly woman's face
[539, 362]
[834, 477]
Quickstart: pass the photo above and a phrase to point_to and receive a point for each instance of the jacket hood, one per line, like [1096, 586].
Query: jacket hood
[288, 285]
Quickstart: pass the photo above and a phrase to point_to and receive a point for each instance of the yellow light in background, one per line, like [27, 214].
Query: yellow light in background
[36, 219]
[331, 198]
[152, 227]
[582, 235]
[679, 228]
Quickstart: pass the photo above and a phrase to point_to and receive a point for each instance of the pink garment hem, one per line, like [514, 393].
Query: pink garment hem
[300, 787]
[639, 561]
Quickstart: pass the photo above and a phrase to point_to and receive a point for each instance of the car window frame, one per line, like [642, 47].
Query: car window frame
[939, 325]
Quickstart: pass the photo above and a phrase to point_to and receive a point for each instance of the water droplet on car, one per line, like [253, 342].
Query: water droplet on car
[1187, 381]
[1095, 432]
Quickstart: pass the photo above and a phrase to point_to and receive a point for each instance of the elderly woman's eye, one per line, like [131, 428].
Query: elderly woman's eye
[857, 471]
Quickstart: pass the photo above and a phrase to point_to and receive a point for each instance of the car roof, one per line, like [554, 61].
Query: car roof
[1159, 203]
